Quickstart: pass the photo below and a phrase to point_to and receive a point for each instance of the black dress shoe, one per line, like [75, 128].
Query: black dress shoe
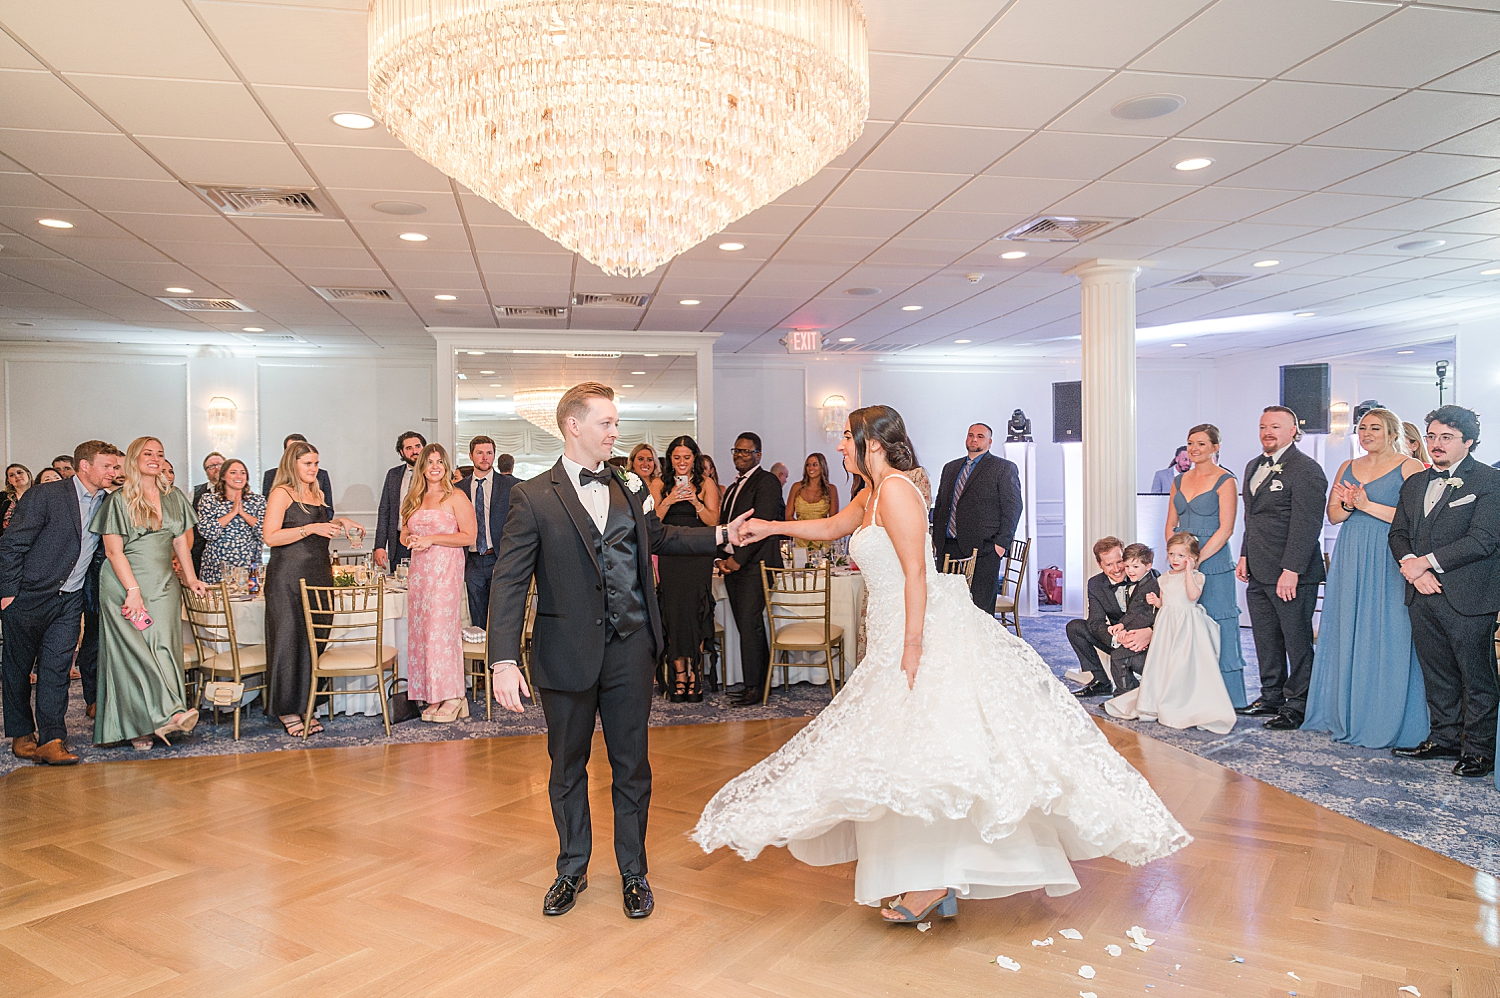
[1473, 765]
[563, 893]
[1098, 688]
[638, 900]
[1259, 709]
[1427, 750]
[1286, 720]
[745, 698]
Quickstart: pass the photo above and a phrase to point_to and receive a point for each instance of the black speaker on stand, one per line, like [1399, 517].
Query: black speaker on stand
[1305, 391]
[1067, 412]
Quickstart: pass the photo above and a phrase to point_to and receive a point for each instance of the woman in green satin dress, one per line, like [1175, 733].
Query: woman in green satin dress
[141, 694]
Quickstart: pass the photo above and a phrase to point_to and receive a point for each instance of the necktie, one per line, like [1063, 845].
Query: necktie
[601, 476]
[958, 491]
[481, 544]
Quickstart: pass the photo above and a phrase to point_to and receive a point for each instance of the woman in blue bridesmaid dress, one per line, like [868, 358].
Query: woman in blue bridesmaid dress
[1366, 684]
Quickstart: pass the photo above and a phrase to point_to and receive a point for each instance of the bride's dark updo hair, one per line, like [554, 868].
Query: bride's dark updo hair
[882, 423]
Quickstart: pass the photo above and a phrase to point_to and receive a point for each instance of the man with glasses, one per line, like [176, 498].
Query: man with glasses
[1446, 536]
[211, 466]
[757, 489]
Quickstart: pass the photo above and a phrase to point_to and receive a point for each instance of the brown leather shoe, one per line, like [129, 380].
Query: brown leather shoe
[90, 710]
[55, 753]
[24, 747]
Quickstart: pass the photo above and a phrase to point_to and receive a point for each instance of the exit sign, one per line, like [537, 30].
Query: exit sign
[804, 341]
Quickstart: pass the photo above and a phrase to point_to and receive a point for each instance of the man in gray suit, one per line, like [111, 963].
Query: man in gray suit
[977, 509]
[1161, 484]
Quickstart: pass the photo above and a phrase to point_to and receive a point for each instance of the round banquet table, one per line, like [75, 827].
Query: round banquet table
[250, 629]
[848, 612]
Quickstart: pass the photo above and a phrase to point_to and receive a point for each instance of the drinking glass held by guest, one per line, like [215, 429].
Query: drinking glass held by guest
[437, 524]
[142, 526]
[17, 481]
[686, 580]
[229, 518]
[1204, 502]
[297, 527]
[644, 463]
[814, 497]
[1366, 682]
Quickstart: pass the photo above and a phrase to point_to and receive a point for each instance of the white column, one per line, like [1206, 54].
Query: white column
[1108, 327]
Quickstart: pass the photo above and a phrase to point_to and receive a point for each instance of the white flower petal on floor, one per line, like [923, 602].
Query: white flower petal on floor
[1138, 934]
[1042, 942]
[1086, 972]
[1113, 950]
[1071, 934]
[1410, 990]
[1292, 974]
[923, 926]
[1087, 994]
[1006, 963]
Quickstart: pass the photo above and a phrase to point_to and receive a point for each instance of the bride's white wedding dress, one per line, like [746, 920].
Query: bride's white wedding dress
[988, 776]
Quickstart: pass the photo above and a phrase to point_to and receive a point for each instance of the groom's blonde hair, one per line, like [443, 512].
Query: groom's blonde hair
[575, 401]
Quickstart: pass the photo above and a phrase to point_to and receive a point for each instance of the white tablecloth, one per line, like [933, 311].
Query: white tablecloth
[250, 629]
[848, 612]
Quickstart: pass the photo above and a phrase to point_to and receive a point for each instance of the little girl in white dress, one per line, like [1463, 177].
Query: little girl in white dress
[1182, 686]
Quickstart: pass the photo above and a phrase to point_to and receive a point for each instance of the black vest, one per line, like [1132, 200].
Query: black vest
[625, 605]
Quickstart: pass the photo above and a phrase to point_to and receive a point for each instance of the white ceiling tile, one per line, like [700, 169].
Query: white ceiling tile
[359, 205]
[1224, 204]
[386, 235]
[1156, 166]
[140, 38]
[929, 252]
[1204, 94]
[1325, 209]
[398, 260]
[1486, 188]
[885, 189]
[1415, 120]
[1248, 236]
[552, 264]
[942, 148]
[305, 115]
[813, 191]
[154, 196]
[857, 221]
[1071, 155]
[1483, 77]
[1407, 49]
[1338, 240]
[1119, 200]
[961, 225]
[232, 276]
[187, 108]
[1284, 111]
[513, 239]
[1420, 174]
[771, 219]
[13, 56]
[1009, 195]
[1310, 168]
[872, 133]
[1421, 214]
[37, 99]
[373, 169]
[79, 154]
[782, 289]
[295, 258]
[1422, 267]
[25, 190]
[1005, 95]
[1158, 232]
[1080, 32]
[296, 45]
[221, 161]
[1254, 37]
[182, 228]
[512, 289]
[897, 80]
[299, 232]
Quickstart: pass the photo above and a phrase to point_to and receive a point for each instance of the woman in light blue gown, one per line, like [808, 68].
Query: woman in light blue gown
[1366, 684]
[1209, 516]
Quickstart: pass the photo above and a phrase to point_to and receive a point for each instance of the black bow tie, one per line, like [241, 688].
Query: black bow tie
[1266, 460]
[601, 476]
[1122, 582]
[1441, 473]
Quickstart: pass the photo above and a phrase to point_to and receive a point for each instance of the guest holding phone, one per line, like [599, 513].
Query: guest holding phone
[143, 525]
[689, 499]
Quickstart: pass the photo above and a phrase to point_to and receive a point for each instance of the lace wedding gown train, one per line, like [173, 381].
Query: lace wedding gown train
[988, 776]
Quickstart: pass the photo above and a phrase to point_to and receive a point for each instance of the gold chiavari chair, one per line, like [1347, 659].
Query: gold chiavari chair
[1010, 584]
[217, 655]
[346, 633]
[799, 602]
[961, 566]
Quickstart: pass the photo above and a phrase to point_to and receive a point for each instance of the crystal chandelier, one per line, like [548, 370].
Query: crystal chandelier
[538, 406]
[626, 130]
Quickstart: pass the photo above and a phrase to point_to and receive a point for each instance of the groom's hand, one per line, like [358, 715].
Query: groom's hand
[510, 686]
[738, 537]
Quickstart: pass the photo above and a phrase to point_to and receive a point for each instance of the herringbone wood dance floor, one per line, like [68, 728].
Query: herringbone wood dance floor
[419, 870]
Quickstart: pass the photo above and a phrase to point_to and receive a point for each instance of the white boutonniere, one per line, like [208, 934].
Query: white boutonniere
[1455, 483]
[630, 480]
[1275, 469]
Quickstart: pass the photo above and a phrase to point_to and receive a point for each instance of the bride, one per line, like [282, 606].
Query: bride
[952, 763]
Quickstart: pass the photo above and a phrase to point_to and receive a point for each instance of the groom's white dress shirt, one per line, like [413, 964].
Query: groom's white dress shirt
[594, 496]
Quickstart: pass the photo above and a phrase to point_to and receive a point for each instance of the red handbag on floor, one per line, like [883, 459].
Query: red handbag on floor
[1049, 585]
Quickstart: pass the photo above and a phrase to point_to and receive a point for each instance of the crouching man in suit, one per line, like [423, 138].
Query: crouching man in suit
[1108, 598]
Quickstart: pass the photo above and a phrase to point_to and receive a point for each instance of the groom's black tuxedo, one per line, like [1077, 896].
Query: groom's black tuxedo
[596, 638]
[1454, 630]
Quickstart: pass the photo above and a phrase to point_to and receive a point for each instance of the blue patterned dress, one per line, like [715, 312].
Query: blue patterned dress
[1201, 519]
[237, 544]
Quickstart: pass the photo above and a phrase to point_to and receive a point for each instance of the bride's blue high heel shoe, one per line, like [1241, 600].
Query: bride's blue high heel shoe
[946, 907]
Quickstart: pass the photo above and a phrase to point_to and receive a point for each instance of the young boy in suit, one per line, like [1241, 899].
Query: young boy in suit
[1127, 665]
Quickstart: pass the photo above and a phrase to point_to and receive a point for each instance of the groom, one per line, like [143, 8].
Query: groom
[588, 536]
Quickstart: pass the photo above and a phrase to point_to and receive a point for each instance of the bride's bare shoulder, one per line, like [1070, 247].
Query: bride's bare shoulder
[900, 506]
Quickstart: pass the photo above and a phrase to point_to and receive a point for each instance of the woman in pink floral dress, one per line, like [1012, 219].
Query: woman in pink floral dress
[437, 524]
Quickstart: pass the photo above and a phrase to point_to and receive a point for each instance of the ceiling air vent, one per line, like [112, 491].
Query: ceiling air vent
[1058, 229]
[264, 202]
[532, 311]
[869, 347]
[358, 294]
[206, 304]
[1205, 282]
[593, 355]
[270, 337]
[613, 301]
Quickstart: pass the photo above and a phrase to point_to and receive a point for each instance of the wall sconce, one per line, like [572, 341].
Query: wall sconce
[835, 413]
[1338, 419]
[222, 414]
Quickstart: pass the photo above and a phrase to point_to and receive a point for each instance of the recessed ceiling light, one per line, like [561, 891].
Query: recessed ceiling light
[252, 329]
[862, 292]
[1490, 273]
[1405, 352]
[911, 308]
[637, 372]
[348, 119]
[1303, 315]
[1266, 263]
[690, 301]
[627, 386]
[731, 247]
[1177, 344]
[1148, 106]
[475, 353]
[846, 339]
[1196, 163]
[54, 223]
[495, 385]
[1013, 255]
[446, 297]
[650, 355]
[179, 291]
[486, 372]
[414, 237]
[1418, 245]
[963, 341]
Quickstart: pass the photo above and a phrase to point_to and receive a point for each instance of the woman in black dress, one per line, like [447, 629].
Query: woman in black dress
[688, 500]
[297, 526]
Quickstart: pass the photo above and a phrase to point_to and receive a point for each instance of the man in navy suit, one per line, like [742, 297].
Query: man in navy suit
[323, 481]
[489, 490]
[388, 547]
[45, 557]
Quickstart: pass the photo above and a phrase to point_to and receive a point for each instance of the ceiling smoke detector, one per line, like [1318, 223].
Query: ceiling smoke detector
[1148, 106]
[265, 202]
[1058, 229]
[973, 278]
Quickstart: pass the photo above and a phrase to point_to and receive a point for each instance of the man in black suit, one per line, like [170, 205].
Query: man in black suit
[323, 481]
[211, 466]
[978, 507]
[754, 489]
[488, 488]
[45, 557]
[1446, 536]
[588, 539]
[1108, 597]
[1281, 561]
[388, 547]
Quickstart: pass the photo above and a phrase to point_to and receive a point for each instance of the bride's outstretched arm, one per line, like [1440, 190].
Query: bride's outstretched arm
[841, 523]
[903, 514]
